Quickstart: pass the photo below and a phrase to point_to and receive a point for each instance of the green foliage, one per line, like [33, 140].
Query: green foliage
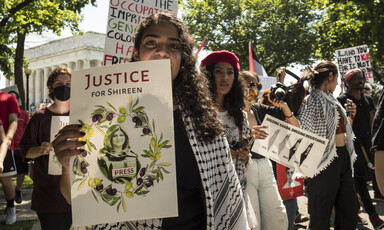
[281, 32]
[352, 23]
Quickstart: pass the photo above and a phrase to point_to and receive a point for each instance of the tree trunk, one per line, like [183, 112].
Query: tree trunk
[18, 70]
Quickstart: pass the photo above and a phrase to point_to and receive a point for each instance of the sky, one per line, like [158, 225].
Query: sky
[95, 19]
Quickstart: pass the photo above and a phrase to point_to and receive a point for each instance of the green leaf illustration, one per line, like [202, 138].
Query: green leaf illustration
[81, 185]
[124, 205]
[111, 106]
[94, 195]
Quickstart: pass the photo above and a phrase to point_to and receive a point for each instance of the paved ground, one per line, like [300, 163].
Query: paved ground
[24, 211]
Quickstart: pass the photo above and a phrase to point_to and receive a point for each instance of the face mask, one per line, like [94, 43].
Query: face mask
[62, 93]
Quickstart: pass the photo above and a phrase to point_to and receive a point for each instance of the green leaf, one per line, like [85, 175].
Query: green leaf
[118, 207]
[136, 102]
[161, 175]
[100, 130]
[89, 146]
[153, 125]
[138, 109]
[94, 195]
[124, 205]
[115, 200]
[163, 144]
[167, 146]
[81, 185]
[81, 122]
[111, 106]
[165, 164]
[93, 146]
[76, 180]
[153, 142]
[130, 103]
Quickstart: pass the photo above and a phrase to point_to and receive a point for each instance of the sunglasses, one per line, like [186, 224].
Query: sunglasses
[254, 86]
[368, 89]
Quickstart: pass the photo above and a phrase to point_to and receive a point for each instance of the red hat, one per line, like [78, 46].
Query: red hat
[221, 56]
[348, 76]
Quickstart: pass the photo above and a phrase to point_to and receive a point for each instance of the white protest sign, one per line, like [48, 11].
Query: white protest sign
[123, 17]
[355, 57]
[129, 170]
[57, 122]
[291, 146]
[266, 82]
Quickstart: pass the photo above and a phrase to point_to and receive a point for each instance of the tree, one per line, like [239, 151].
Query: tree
[352, 23]
[282, 32]
[20, 17]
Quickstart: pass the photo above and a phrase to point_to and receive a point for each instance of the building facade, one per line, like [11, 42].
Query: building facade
[82, 52]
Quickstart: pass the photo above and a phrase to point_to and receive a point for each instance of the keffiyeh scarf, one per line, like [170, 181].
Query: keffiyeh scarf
[319, 114]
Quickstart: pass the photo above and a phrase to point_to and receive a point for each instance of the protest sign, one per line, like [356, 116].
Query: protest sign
[291, 146]
[355, 57]
[123, 17]
[289, 184]
[128, 171]
[57, 122]
[266, 82]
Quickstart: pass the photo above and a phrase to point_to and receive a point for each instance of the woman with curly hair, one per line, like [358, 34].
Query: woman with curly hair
[209, 192]
[332, 185]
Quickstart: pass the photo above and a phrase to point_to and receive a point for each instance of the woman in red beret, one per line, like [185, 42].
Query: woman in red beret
[222, 71]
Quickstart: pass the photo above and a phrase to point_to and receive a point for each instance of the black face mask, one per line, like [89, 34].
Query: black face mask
[62, 93]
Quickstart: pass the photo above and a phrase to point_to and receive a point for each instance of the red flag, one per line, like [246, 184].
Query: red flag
[254, 63]
[201, 47]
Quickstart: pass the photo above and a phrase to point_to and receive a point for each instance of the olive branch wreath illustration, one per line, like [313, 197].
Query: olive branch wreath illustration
[146, 177]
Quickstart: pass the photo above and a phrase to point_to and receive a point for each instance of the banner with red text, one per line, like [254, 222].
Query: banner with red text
[123, 18]
[355, 57]
[128, 171]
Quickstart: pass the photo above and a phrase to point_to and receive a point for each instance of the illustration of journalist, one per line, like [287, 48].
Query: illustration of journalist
[291, 182]
[115, 159]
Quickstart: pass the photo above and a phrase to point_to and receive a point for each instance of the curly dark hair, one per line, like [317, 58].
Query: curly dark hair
[234, 100]
[320, 74]
[189, 88]
[53, 75]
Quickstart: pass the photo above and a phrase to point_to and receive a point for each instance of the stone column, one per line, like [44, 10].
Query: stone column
[38, 83]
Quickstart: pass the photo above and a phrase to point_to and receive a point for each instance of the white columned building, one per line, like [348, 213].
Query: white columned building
[82, 52]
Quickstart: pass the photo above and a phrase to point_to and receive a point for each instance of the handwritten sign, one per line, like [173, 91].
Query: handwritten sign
[355, 57]
[291, 146]
[57, 122]
[128, 170]
[123, 18]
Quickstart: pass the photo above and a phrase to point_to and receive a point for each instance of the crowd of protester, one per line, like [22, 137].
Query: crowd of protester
[216, 107]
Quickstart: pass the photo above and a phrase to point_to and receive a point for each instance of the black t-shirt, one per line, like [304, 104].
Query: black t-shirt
[191, 203]
[361, 122]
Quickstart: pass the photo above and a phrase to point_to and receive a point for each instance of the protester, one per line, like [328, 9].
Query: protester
[362, 123]
[332, 185]
[262, 187]
[378, 142]
[203, 163]
[8, 115]
[51, 207]
[222, 71]
[21, 166]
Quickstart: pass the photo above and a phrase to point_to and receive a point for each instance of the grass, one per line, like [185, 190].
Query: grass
[19, 225]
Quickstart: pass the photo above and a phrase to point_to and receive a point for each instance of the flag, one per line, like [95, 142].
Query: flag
[201, 47]
[254, 63]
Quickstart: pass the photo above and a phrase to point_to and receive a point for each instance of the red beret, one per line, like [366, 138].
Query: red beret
[348, 76]
[221, 56]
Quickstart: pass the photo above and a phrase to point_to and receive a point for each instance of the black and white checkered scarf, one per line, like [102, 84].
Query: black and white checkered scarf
[319, 114]
[223, 192]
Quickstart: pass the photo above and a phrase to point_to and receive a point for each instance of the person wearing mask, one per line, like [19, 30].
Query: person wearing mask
[9, 111]
[332, 185]
[362, 124]
[21, 166]
[204, 167]
[50, 205]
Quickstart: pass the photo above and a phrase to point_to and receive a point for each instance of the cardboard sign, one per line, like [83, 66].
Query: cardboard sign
[128, 172]
[355, 57]
[291, 146]
[57, 122]
[123, 18]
